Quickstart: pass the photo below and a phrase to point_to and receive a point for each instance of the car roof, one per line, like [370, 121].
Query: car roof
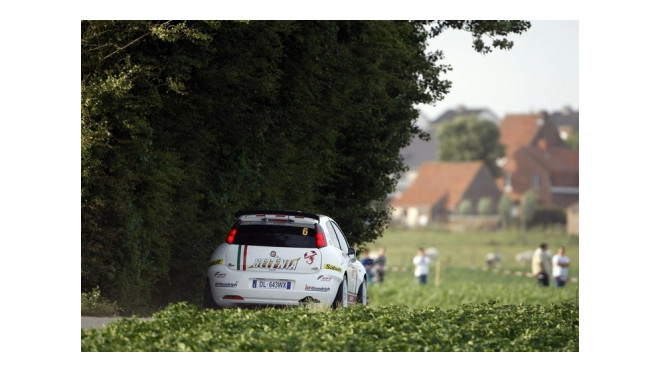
[268, 214]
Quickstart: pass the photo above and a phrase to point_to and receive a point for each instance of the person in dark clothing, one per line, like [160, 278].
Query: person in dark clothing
[380, 265]
[368, 263]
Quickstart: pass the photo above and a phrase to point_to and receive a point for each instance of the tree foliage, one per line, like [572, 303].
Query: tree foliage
[504, 209]
[468, 138]
[485, 206]
[183, 123]
[465, 207]
[528, 206]
[573, 142]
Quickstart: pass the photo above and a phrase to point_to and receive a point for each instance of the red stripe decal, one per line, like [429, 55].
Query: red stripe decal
[244, 256]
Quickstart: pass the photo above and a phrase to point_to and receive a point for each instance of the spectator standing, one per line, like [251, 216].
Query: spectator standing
[560, 263]
[368, 263]
[380, 265]
[542, 265]
[421, 262]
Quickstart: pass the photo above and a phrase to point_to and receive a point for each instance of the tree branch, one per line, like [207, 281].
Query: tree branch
[132, 42]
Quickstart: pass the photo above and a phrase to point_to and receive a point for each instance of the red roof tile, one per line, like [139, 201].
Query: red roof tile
[519, 131]
[438, 180]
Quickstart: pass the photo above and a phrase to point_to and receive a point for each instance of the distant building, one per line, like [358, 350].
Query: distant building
[527, 130]
[439, 189]
[537, 158]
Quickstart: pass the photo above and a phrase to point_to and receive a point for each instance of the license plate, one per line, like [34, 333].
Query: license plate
[271, 284]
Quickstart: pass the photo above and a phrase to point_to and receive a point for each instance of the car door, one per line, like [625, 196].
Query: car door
[351, 270]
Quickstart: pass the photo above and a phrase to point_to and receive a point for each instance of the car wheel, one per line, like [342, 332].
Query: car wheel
[341, 300]
[362, 294]
[208, 298]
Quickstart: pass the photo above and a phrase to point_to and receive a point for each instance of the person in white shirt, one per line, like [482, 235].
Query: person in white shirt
[560, 263]
[421, 262]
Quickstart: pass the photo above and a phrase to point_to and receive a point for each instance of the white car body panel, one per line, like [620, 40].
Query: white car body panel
[245, 275]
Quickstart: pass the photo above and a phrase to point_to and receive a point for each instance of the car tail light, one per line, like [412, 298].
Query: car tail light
[231, 235]
[320, 238]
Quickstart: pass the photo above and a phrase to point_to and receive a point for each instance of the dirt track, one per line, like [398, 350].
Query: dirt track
[98, 322]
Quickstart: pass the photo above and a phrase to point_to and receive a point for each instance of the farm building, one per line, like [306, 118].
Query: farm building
[537, 158]
[439, 189]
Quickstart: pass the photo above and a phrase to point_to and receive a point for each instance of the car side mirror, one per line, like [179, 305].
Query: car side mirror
[351, 254]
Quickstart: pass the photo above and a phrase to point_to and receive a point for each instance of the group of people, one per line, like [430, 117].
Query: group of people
[375, 267]
[544, 264]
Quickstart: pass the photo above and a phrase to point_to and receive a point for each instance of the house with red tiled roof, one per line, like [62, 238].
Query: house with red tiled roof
[439, 189]
[537, 158]
[528, 130]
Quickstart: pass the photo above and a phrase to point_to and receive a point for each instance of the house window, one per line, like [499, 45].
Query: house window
[536, 181]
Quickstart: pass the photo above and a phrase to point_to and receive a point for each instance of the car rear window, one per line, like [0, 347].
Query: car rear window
[276, 235]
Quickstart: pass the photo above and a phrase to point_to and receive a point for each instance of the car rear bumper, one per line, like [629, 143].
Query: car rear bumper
[230, 288]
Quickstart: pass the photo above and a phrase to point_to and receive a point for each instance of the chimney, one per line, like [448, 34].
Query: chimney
[540, 119]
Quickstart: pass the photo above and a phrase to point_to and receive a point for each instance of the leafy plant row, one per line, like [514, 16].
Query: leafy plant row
[468, 328]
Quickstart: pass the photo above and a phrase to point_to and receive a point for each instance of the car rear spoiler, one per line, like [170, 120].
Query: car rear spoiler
[277, 212]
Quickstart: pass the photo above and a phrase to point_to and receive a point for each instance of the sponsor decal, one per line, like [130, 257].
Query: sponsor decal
[241, 257]
[220, 275]
[332, 267]
[226, 284]
[216, 262]
[275, 263]
[309, 256]
[324, 278]
[316, 288]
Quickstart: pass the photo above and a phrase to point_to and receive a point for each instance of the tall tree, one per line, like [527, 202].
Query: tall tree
[469, 138]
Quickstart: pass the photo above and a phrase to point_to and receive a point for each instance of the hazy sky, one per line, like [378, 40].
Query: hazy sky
[540, 72]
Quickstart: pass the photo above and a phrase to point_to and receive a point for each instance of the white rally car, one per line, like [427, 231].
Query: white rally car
[284, 258]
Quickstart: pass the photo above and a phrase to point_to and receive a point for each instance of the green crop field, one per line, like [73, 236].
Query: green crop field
[469, 309]
[482, 327]
[460, 286]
